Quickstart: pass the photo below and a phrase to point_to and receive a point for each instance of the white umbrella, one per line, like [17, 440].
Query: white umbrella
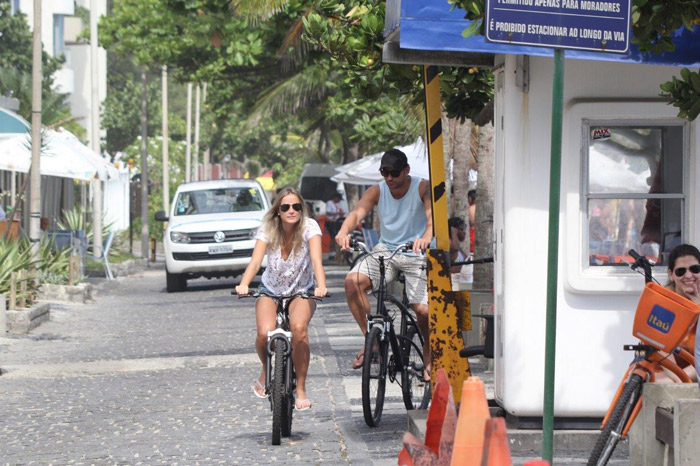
[366, 170]
[60, 157]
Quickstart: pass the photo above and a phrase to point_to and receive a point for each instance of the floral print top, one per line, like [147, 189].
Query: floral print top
[294, 275]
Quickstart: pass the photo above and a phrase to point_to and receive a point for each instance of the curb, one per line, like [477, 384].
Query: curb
[24, 320]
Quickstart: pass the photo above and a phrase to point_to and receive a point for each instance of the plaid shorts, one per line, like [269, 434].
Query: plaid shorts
[413, 268]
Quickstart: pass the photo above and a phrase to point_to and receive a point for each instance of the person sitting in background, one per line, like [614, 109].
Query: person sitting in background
[334, 216]
[458, 233]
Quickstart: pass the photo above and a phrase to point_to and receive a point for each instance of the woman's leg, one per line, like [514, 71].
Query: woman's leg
[300, 313]
[265, 318]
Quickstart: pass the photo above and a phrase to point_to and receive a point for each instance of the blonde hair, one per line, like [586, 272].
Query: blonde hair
[272, 223]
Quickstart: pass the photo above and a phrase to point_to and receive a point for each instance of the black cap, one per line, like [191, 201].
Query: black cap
[337, 195]
[394, 159]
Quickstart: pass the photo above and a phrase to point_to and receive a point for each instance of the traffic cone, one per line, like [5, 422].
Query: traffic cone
[496, 451]
[473, 414]
[537, 463]
[439, 432]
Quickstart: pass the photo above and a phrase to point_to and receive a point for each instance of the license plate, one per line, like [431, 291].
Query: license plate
[223, 249]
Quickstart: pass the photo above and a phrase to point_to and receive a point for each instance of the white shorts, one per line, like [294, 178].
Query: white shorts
[413, 268]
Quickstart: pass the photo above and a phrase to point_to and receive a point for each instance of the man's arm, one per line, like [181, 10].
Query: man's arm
[369, 199]
[422, 243]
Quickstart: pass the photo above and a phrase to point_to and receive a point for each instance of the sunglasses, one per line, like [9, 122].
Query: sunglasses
[285, 207]
[386, 172]
[680, 271]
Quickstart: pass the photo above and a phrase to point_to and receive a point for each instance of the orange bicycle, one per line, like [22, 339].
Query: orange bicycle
[662, 321]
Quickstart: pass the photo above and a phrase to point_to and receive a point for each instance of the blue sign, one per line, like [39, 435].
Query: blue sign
[600, 25]
[661, 319]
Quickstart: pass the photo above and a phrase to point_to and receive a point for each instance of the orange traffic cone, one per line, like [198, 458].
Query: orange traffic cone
[473, 414]
[537, 463]
[496, 450]
[439, 432]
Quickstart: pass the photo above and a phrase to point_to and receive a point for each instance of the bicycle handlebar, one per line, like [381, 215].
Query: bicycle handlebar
[362, 247]
[483, 260]
[641, 261]
[257, 294]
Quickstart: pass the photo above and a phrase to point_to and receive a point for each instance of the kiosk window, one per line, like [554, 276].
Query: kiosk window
[634, 190]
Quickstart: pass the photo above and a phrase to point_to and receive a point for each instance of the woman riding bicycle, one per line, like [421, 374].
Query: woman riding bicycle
[292, 242]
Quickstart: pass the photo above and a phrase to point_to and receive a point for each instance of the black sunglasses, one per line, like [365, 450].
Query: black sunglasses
[285, 207]
[386, 172]
[680, 271]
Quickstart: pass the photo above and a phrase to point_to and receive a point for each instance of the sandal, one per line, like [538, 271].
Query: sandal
[303, 405]
[358, 361]
[259, 390]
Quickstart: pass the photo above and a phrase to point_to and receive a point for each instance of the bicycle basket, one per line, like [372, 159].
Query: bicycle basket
[663, 317]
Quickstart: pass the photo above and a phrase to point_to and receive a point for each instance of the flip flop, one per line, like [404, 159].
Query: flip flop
[259, 388]
[303, 403]
[358, 361]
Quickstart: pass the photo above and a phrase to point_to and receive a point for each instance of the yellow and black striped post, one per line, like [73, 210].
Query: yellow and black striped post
[445, 335]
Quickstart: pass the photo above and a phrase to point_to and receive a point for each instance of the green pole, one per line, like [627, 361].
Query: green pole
[553, 257]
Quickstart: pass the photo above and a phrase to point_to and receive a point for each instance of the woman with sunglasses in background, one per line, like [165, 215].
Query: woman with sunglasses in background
[292, 242]
[684, 279]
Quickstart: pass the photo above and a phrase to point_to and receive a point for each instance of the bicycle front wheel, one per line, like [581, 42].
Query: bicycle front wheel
[288, 401]
[277, 392]
[610, 436]
[416, 390]
[374, 376]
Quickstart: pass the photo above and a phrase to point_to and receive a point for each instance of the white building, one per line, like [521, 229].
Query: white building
[60, 28]
[629, 180]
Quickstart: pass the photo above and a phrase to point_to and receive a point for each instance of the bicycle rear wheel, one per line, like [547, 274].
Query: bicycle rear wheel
[288, 402]
[374, 376]
[277, 392]
[416, 391]
[610, 436]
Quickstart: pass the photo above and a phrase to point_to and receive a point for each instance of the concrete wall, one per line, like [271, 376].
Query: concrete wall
[595, 307]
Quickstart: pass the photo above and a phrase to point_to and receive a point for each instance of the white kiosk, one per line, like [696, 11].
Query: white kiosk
[629, 177]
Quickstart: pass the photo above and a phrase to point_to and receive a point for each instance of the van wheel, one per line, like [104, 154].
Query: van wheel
[175, 281]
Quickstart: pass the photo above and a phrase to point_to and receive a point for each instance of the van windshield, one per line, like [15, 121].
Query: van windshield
[317, 188]
[213, 201]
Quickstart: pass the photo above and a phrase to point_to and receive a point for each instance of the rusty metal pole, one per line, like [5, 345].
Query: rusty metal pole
[444, 321]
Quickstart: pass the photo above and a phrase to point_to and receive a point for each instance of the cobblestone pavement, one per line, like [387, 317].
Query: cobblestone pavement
[145, 377]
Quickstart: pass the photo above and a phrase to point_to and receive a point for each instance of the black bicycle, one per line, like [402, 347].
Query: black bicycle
[280, 377]
[406, 349]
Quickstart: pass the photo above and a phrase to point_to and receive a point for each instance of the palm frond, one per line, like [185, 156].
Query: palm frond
[257, 10]
[289, 96]
[293, 48]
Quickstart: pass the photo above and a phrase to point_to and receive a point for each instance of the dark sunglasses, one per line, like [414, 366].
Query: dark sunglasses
[285, 207]
[386, 172]
[680, 271]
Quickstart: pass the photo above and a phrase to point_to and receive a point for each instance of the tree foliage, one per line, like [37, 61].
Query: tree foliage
[352, 33]
[16, 46]
[302, 103]
[653, 24]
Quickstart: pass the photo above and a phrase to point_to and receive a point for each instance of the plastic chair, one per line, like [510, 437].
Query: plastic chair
[61, 239]
[104, 256]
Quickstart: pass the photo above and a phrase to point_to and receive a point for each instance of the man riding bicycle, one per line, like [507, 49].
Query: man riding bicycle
[405, 214]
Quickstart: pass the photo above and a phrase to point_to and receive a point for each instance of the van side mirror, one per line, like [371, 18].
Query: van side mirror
[160, 216]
